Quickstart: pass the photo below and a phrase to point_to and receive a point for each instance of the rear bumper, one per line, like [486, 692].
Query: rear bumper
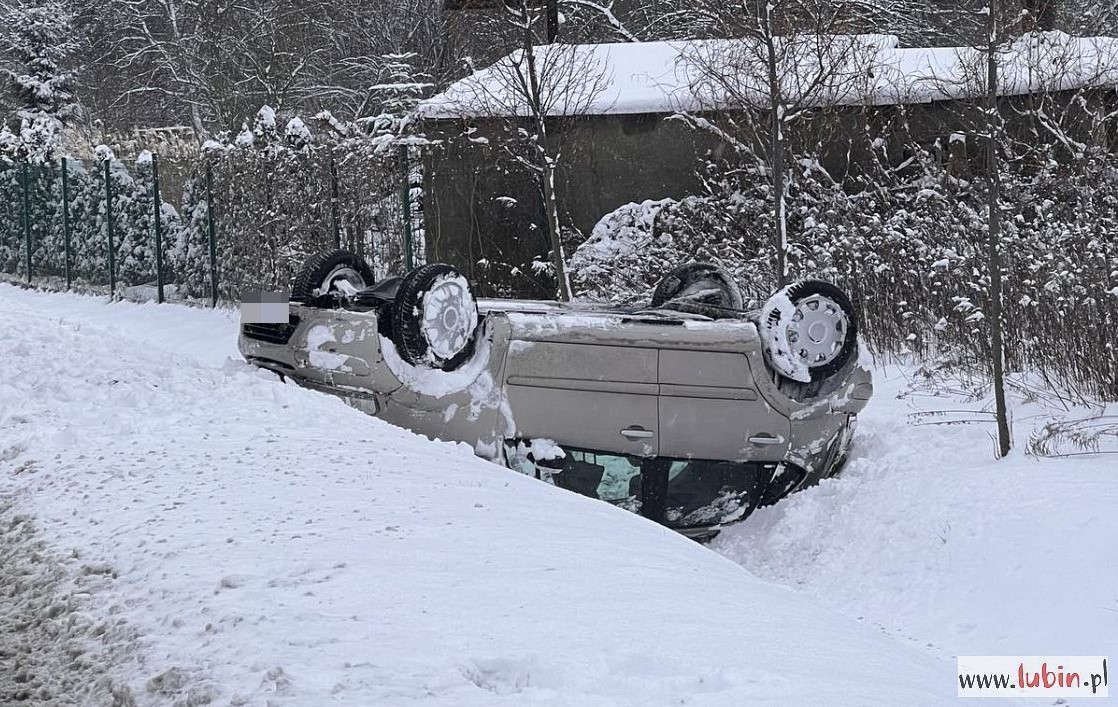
[273, 356]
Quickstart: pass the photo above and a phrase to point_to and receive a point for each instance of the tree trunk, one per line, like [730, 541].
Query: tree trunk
[546, 166]
[200, 132]
[552, 21]
[781, 215]
[551, 205]
[1041, 15]
[994, 261]
[776, 148]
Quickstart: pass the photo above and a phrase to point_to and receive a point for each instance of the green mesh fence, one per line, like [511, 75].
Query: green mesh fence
[207, 228]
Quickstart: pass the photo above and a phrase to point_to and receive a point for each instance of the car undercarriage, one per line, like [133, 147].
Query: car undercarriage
[690, 411]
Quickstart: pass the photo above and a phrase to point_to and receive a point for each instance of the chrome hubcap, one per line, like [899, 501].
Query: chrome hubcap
[817, 330]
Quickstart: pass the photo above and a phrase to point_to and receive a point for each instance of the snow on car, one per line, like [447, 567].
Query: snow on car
[690, 411]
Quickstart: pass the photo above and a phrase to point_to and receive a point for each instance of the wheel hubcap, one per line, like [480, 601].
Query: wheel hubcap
[338, 274]
[817, 331]
[449, 317]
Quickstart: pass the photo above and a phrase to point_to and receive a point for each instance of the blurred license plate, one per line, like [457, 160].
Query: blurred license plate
[264, 308]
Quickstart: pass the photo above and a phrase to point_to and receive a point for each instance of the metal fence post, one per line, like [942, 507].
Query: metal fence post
[109, 226]
[409, 256]
[66, 222]
[26, 217]
[157, 201]
[212, 233]
[334, 202]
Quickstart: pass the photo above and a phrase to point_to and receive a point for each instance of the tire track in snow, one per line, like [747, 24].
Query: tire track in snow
[64, 635]
[51, 650]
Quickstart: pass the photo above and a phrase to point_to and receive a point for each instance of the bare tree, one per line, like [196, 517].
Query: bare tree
[993, 128]
[980, 79]
[915, 22]
[780, 61]
[597, 20]
[528, 89]
[1020, 59]
[213, 63]
[366, 49]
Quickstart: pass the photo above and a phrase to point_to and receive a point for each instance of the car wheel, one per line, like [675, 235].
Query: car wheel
[434, 317]
[326, 272]
[702, 283]
[809, 330]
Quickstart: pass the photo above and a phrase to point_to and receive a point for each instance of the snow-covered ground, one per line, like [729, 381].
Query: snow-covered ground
[929, 537]
[176, 526]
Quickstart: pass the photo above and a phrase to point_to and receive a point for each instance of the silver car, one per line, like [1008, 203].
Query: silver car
[689, 410]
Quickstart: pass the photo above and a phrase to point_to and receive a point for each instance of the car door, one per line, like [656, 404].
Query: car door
[709, 408]
[587, 396]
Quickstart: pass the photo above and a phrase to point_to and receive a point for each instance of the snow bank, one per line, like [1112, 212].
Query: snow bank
[267, 544]
[927, 537]
[667, 77]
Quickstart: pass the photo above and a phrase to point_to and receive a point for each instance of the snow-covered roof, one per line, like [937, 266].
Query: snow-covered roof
[667, 77]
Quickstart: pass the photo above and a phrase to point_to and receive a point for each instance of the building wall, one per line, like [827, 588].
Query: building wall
[615, 161]
[484, 211]
[480, 203]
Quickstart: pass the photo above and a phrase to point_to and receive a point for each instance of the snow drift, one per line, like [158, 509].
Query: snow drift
[256, 542]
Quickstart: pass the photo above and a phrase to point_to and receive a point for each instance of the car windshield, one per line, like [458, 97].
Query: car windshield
[681, 493]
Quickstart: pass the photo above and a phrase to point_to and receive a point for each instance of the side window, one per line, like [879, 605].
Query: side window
[609, 477]
[516, 453]
[681, 493]
[619, 478]
[705, 492]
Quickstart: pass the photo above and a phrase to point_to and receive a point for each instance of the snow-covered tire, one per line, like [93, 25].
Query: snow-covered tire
[323, 271]
[434, 317]
[702, 283]
[809, 330]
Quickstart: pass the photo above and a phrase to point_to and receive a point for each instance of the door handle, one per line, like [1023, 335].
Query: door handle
[636, 432]
[767, 439]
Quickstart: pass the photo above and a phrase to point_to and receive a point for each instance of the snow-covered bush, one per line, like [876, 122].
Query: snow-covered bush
[622, 253]
[285, 189]
[633, 247]
[912, 253]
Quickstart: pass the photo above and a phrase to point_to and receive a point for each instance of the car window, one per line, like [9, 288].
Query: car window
[609, 477]
[681, 493]
[517, 456]
[702, 492]
[619, 475]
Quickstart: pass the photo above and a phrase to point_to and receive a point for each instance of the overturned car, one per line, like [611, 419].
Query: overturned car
[691, 410]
